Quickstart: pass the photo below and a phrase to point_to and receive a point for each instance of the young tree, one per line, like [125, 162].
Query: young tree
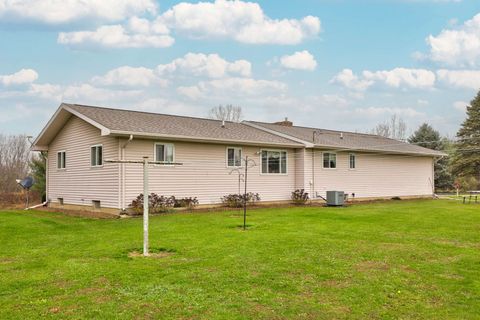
[427, 137]
[396, 128]
[38, 166]
[466, 158]
[227, 113]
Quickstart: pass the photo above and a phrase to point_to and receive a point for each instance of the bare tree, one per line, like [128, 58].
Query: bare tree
[227, 113]
[395, 128]
[14, 159]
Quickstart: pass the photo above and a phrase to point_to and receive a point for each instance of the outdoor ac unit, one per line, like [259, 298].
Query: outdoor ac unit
[335, 198]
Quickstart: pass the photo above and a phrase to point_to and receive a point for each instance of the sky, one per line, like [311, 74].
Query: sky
[333, 64]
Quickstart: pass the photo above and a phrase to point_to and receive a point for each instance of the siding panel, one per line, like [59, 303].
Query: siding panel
[79, 183]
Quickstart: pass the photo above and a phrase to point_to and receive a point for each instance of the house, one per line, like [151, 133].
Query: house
[79, 139]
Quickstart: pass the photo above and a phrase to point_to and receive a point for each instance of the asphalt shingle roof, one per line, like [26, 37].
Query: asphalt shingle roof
[180, 126]
[350, 140]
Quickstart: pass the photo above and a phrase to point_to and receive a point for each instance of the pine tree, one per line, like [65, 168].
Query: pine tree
[466, 158]
[427, 137]
[38, 166]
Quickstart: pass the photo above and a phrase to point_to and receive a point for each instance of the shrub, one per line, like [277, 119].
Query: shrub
[156, 203]
[236, 200]
[189, 202]
[299, 196]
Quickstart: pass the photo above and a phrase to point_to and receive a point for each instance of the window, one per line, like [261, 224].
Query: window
[274, 162]
[164, 152]
[60, 201]
[234, 157]
[96, 204]
[352, 161]
[329, 160]
[61, 160]
[96, 156]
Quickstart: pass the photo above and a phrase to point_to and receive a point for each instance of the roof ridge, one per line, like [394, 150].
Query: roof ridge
[148, 112]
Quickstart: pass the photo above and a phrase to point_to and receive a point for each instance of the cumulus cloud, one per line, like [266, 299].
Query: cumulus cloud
[129, 77]
[138, 33]
[61, 12]
[300, 60]
[395, 78]
[24, 76]
[459, 46]
[348, 79]
[232, 87]
[403, 77]
[461, 105]
[238, 20]
[210, 65]
[469, 79]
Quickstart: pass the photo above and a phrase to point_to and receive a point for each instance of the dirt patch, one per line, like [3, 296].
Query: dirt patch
[155, 255]
[81, 213]
[335, 283]
[367, 266]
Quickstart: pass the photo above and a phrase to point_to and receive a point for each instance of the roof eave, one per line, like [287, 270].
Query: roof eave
[150, 135]
[425, 154]
[304, 143]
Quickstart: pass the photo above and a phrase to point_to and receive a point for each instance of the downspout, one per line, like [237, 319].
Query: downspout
[124, 171]
[46, 178]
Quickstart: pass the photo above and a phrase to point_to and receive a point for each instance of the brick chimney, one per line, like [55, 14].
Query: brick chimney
[285, 123]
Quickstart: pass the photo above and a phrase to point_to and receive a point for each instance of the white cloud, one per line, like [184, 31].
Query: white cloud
[211, 65]
[382, 111]
[460, 78]
[348, 79]
[24, 76]
[395, 78]
[129, 77]
[300, 60]
[403, 77]
[422, 102]
[118, 36]
[238, 87]
[238, 20]
[65, 11]
[459, 46]
[461, 105]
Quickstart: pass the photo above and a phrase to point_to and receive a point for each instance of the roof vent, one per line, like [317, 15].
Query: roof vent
[285, 123]
[223, 123]
[341, 135]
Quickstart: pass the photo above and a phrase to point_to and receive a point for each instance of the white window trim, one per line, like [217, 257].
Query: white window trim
[226, 156]
[155, 153]
[274, 174]
[65, 162]
[336, 160]
[349, 166]
[103, 160]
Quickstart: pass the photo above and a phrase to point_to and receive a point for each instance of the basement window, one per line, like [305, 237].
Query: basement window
[96, 204]
[61, 160]
[329, 160]
[60, 201]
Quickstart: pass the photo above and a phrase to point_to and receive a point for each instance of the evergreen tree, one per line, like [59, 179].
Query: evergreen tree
[38, 166]
[427, 137]
[466, 158]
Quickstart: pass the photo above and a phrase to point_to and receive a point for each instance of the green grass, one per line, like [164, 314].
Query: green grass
[396, 260]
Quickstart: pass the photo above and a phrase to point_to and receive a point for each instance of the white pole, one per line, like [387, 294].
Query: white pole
[145, 206]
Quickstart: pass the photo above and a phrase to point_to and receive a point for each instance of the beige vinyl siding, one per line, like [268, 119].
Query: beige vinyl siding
[79, 183]
[204, 173]
[376, 175]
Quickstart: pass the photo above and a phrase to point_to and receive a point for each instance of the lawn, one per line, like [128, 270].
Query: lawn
[403, 259]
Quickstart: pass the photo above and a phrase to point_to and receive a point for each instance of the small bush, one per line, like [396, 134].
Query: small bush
[236, 200]
[156, 204]
[189, 202]
[299, 197]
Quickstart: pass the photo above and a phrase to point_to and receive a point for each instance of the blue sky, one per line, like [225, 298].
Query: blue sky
[338, 64]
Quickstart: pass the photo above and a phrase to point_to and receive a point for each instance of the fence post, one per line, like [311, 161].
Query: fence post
[146, 202]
